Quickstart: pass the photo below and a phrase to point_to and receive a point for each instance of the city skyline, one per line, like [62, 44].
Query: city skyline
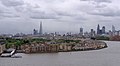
[58, 15]
[80, 30]
[100, 30]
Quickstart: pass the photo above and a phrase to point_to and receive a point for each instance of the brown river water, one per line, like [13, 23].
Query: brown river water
[104, 57]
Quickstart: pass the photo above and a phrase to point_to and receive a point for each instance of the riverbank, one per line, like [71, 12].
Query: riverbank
[85, 45]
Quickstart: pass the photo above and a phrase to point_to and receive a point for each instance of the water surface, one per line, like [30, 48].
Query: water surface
[105, 57]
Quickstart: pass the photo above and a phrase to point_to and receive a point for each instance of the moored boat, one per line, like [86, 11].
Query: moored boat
[8, 53]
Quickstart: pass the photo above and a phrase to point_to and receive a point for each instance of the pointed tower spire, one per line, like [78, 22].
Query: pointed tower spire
[40, 30]
[98, 29]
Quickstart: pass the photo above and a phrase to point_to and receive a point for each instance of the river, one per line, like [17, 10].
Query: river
[105, 57]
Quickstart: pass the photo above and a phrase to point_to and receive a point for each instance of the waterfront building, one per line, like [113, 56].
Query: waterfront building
[78, 47]
[2, 47]
[65, 47]
[40, 48]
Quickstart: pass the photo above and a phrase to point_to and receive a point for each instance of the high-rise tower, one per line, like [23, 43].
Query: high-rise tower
[81, 31]
[40, 30]
[98, 29]
[35, 32]
[103, 30]
[113, 30]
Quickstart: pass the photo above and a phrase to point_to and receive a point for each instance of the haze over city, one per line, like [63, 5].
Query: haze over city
[58, 15]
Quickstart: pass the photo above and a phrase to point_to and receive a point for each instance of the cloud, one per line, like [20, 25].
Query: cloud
[10, 3]
[10, 15]
[71, 14]
[65, 13]
[41, 14]
[6, 12]
[99, 1]
[107, 12]
[101, 6]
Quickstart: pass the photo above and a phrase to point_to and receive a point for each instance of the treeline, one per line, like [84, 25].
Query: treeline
[102, 38]
[67, 41]
[18, 42]
[11, 42]
[112, 38]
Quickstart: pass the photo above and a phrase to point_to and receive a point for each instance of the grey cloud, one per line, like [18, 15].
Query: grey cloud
[80, 18]
[42, 15]
[100, 6]
[35, 12]
[9, 3]
[99, 1]
[8, 14]
[60, 13]
[1, 11]
[107, 12]
[67, 13]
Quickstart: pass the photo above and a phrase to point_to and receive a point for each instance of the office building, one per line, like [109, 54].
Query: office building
[35, 32]
[103, 30]
[81, 31]
[98, 29]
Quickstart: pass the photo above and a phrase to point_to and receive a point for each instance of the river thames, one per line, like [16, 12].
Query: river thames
[104, 57]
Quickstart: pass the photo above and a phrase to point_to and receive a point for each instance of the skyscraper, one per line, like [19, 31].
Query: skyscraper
[103, 30]
[98, 29]
[92, 33]
[113, 30]
[40, 30]
[35, 32]
[81, 31]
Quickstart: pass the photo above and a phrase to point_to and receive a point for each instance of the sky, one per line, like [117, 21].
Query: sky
[62, 16]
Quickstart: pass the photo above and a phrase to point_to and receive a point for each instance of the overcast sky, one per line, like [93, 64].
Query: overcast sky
[58, 15]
